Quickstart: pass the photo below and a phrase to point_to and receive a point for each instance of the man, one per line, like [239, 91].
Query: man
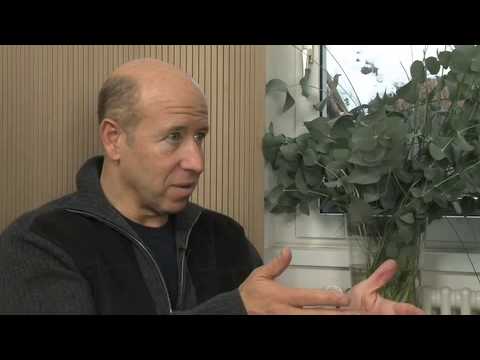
[130, 242]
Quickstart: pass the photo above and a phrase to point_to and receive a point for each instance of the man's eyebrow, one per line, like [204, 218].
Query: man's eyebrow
[187, 110]
[182, 128]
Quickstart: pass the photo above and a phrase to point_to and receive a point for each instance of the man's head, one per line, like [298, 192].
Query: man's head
[153, 119]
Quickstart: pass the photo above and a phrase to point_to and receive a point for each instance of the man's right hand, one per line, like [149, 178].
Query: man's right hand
[262, 295]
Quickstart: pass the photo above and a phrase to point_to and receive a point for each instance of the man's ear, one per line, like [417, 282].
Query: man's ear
[110, 135]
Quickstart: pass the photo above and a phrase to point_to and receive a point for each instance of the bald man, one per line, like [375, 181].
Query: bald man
[129, 241]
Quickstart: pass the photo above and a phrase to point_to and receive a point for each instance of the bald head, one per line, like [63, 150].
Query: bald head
[132, 85]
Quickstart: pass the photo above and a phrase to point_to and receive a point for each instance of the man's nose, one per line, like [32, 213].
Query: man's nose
[193, 158]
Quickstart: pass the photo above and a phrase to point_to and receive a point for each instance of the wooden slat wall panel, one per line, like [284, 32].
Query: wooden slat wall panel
[48, 124]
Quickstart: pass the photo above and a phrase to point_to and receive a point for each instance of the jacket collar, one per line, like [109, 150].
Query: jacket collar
[91, 199]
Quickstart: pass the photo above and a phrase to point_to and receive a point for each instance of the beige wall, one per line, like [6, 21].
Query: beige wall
[48, 125]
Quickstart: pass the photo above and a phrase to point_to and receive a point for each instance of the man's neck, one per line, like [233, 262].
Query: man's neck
[127, 203]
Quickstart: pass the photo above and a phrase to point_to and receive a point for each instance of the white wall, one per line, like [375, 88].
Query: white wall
[318, 242]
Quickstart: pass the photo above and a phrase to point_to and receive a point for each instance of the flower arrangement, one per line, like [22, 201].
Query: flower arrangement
[392, 165]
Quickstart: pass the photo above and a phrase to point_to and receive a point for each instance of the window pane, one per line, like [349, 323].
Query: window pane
[366, 70]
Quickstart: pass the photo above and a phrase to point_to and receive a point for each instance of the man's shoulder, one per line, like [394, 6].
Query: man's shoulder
[47, 212]
[220, 220]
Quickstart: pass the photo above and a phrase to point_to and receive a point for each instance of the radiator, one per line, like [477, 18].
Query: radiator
[446, 301]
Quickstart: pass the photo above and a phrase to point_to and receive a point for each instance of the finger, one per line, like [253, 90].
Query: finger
[324, 311]
[315, 297]
[381, 276]
[278, 265]
[407, 309]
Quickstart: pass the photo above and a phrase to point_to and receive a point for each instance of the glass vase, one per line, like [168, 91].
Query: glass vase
[381, 238]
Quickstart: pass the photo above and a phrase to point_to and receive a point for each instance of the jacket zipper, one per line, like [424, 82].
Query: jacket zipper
[137, 242]
[183, 260]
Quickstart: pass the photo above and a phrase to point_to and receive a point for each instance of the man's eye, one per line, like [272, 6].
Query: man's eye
[200, 137]
[174, 137]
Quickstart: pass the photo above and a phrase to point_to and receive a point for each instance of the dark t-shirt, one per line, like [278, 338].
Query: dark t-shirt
[161, 243]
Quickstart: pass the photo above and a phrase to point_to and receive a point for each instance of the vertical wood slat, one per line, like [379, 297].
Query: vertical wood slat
[205, 78]
[211, 69]
[231, 130]
[48, 124]
[202, 79]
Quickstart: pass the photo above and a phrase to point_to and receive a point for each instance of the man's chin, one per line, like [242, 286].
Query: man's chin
[177, 206]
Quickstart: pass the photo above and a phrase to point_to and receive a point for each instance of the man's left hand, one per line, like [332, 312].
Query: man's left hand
[366, 299]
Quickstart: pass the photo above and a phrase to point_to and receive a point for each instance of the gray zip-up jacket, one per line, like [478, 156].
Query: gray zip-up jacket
[78, 255]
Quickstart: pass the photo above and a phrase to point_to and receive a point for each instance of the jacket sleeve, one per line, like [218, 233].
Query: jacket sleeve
[229, 302]
[37, 277]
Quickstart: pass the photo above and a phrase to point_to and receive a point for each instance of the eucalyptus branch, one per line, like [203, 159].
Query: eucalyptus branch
[326, 71]
[328, 169]
[388, 182]
[407, 196]
[406, 73]
[399, 185]
[458, 132]
[346, 75]
[428, 129]
[310, 191]
[318, 193]
[451, 177]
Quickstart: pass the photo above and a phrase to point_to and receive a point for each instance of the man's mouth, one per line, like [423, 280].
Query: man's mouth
[186, 186]
[184, 189]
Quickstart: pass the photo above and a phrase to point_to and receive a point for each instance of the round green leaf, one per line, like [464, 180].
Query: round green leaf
[341, 127]
[463, 144]
[313, 175]
[341, 154]
[319, 128]
[363, 177]
[374, 157]
[289, 151]
[332, 184]
[433, 173]
[436, 152]
[370, 194]
[359, 211]
[432, 64]
[417, 70]
[407, 218]
[444, 58]
[363, 139]
[461, 60]
[271, 145]
[309, 157]
[285, 178]
[276, 85]
[272, 198]
[300, 182]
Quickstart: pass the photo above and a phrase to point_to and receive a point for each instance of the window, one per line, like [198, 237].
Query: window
[366, 70]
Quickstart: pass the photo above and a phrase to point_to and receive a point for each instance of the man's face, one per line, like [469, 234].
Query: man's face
[163, 159]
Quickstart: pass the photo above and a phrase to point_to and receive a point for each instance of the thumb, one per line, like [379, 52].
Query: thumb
[382, 275]
[278, 265]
